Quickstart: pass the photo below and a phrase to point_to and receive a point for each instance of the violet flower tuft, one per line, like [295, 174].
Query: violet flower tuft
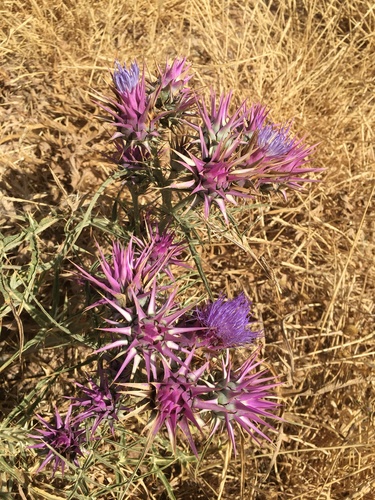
[227, 323]
[125, 79]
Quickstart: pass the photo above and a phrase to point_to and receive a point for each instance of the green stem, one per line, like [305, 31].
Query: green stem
[136, 213]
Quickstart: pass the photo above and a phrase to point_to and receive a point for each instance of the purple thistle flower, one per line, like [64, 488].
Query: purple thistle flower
[242, 397]
[136, 268]
[125, 79]
[172, 401]
[130, 110]
[213, 177]
[286, 157]
[63, 438]
[164, 248]
[277, 159]
[227, 323]
[219, 127]
[170, 96]
[119, 276]
[153, 335]
[100, 402]
[131, 116]
[175, 76]
[238, 152]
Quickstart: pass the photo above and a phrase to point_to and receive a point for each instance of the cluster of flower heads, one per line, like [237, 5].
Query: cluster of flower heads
[216, 155]
[165, 359]
[155, 353]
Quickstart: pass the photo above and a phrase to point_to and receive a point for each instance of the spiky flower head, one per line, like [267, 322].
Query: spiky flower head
[64, 438]
[220, 127]
[150, 337]
[172, 401]
[286, 156]
[242, 397]
[227, 323]
[118, 276]
[175, 75]
[278, 160]
[137, 267]
[165, 247]
[99, 402]
[132, 117]
[213, 178]
[170, 95]
[130, 108]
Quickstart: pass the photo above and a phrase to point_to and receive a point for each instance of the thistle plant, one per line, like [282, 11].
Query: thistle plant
[158, 353]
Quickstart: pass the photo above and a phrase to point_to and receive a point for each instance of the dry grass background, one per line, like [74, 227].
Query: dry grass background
[312, 60]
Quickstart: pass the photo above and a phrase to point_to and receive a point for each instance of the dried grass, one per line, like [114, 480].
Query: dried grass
[312, 277]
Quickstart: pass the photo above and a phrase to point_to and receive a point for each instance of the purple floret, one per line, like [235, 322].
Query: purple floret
[227, 323]
[125, 79]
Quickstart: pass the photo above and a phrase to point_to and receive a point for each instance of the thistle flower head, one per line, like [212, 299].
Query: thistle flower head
[130, 108]
[170, 96]
[61, 438]
[173, 401]
[219, 128]
[279, 159]
[242, 397]
[119, 275]
[227, 323]
[149, 337]
[166, 251]
[132, 118]
[135, 268]
[124, 79]
[212, 177]
[175, 76]
[99, 402]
